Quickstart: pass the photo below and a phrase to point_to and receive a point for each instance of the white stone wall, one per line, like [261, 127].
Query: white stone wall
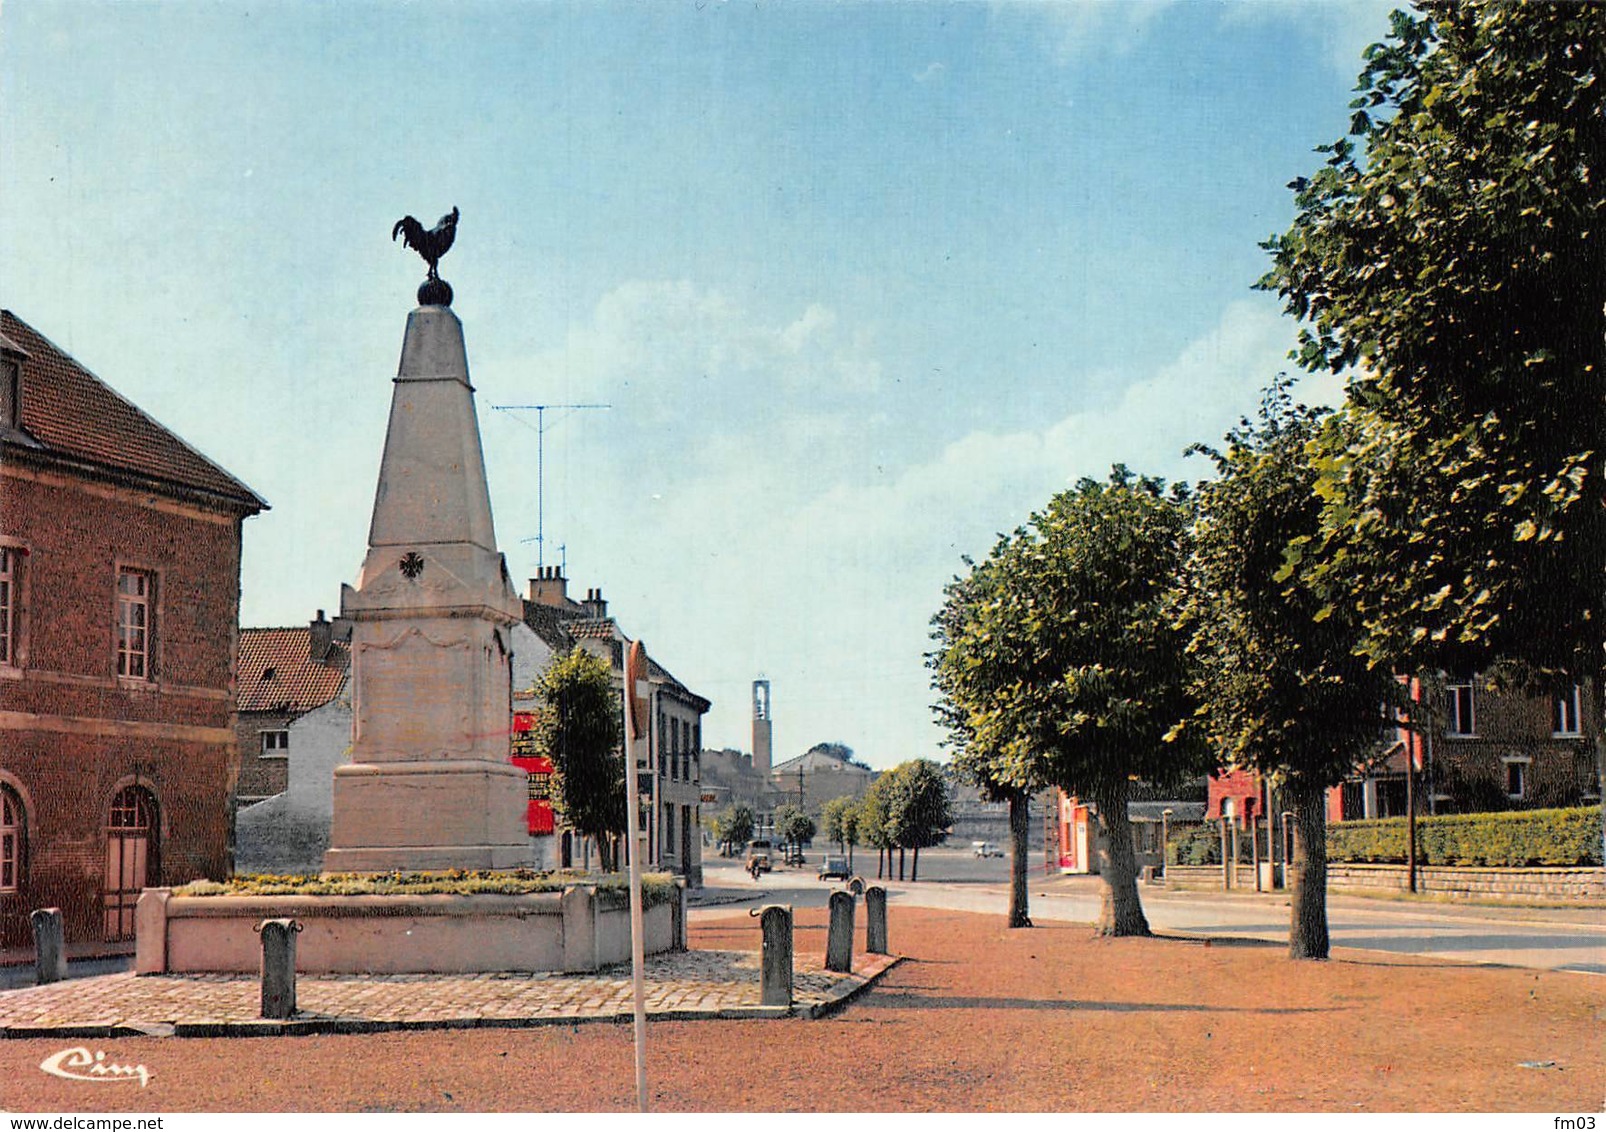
[289, 832]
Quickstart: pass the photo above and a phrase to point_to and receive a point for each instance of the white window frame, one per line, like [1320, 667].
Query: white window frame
[275, 743]
[128, 656]
[1567, 712]
[1522, 762]
[11, 558]
[1454, 723]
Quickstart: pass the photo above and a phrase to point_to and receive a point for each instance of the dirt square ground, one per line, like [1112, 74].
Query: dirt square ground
[978, 1018]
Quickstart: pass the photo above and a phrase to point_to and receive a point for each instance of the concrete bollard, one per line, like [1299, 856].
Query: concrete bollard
[839, 938]
[776, 982]
[278, 967]
[875, 920]
[49, 946]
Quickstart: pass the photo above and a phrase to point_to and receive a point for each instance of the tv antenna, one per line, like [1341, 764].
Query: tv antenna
[541, 426]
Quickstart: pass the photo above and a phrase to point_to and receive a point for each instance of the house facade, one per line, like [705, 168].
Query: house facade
[669, 759]
[1485, 748]
[119, 602]
[282, 674]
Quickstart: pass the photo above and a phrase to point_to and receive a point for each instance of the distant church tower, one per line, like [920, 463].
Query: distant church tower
[761, 727]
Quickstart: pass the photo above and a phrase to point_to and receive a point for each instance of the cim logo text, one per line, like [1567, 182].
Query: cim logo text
[78, 1064]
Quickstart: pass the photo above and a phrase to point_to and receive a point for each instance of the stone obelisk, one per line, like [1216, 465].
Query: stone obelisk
[429, 785]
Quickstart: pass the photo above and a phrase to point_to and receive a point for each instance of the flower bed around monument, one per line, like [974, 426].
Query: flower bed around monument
[656, 888]
[393, 923]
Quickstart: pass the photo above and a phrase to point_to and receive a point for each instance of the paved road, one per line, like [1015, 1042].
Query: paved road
[1554, 939]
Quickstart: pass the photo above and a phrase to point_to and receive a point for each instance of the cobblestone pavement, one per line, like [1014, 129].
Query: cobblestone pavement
[686, 984]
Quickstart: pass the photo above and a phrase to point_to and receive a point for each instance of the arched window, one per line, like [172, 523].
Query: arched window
[13, 840]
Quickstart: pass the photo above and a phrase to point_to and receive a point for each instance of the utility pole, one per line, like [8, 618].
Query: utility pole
[540, 462]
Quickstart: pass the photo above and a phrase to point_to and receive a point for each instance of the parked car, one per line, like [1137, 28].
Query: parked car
[835, 867]
[758, 857]
[986, 849]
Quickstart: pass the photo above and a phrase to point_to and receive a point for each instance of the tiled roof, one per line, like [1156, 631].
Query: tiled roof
[71, 413]
[600, 629]
[276, 672]
[562, 626]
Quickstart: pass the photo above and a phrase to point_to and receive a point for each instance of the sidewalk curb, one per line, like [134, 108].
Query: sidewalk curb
[845, 989]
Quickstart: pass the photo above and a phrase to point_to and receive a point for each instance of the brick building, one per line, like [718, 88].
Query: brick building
[119, 601]
[282, 675]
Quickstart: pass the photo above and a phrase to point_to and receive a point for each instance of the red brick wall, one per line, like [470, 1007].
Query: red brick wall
[103, 731]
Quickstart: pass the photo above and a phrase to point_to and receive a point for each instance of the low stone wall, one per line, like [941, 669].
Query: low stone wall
[1516, 886]
[577, 929]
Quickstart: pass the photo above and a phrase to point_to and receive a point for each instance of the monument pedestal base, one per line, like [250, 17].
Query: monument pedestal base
[439, 814]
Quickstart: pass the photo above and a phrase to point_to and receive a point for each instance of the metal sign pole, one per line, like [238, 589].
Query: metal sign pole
[633, 827]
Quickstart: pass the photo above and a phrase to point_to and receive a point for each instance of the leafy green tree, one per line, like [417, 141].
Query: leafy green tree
[961, 676]
[873, 824]
[1450, 258]
[839, 820]
[733, 825]
[581, 729]
[1064, 666]
[793, 825]
[1281, 688]
[919, 810]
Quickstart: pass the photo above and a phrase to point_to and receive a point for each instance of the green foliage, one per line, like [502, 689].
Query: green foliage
[1279, 684]
[919, 810]
[792, 825]
[656, 888]
[1529, 837]
[733, 824]
[1449, 258]
[581, 729]
[839, 820]
[873, 809]
[1195, 844]
[1056, 663]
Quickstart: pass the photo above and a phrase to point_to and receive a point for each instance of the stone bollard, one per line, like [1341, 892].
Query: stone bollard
[776, 983]
[875, 920]
[839, 939]
[49, 946]
[278, 967]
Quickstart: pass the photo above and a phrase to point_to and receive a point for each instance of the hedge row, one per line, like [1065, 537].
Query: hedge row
[1564, 837]
[1525, 837]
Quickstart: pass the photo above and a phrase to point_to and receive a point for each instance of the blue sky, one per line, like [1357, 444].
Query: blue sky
[863, 284]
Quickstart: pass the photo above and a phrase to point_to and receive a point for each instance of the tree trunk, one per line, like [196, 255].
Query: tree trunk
[1307, 923]
[1120, 911]
[879, 854]
[900, 862]
[914, 867]
[1020, 827]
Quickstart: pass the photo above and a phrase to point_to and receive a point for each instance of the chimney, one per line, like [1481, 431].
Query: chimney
[321, 639]
[595, 607]
[550, 587]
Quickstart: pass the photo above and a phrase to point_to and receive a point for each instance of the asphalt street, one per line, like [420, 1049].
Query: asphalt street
[1563, 939]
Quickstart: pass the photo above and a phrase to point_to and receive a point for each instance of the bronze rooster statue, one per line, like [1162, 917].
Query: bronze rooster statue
[431, 244]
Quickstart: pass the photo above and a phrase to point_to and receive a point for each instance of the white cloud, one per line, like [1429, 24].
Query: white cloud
[1344, 28]
[1075, 28]
[782, 543]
